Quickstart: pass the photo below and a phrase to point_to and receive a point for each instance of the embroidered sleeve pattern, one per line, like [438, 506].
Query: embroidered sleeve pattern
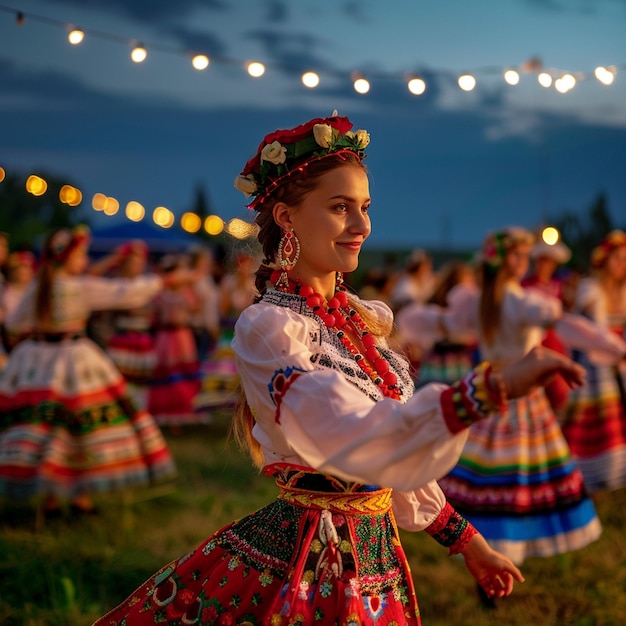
[280, 383]
[451, 530]
[471, 399]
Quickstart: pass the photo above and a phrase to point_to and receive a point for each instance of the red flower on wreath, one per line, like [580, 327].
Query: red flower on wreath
[288, 136]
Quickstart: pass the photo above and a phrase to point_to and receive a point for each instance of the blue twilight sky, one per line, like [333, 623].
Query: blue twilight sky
[446, 166]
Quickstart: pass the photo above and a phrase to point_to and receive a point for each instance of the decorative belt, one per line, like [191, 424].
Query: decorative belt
[340, 497]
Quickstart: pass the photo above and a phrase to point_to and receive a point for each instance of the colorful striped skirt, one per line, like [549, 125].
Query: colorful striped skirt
[594, 424]
[517, 483]
[445, 363]
[322, 553]
[68, 426]
[175, 380]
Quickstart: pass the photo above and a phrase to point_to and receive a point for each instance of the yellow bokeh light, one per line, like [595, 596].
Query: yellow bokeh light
[135, 211]
[2, 174]
[200, 62]
[70, 195]
[78, 197]
[98, 201]
[163, 217]
[36, 185]
[75, 36]
[240, 229]
[111, 206]
[190, 222]
[550, 235]
[213, 225]
[256, 69]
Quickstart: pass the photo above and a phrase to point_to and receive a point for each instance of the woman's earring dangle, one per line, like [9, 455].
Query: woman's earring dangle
[287, 256]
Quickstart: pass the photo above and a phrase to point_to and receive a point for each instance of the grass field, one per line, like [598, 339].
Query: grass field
[71, 571]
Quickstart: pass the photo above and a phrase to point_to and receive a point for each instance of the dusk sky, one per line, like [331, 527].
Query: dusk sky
[446, 166]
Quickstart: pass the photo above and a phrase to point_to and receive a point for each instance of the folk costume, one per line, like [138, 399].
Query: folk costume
[516, 480]
[595, 416]
[175, 380]
[354, 453]
[68, 426]
[131, 347]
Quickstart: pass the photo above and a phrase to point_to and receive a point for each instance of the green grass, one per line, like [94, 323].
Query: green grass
[69, 572]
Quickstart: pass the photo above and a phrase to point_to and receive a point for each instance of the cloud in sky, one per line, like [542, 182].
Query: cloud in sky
[444, 167]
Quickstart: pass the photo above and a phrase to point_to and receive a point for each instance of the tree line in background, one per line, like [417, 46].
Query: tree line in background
[27, 218]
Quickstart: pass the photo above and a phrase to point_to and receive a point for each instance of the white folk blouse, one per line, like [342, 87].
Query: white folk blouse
[315, 407]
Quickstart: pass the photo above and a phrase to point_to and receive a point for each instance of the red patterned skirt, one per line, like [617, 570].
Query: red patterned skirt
[322, 553]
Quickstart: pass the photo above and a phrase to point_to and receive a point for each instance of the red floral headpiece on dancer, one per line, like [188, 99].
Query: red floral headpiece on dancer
[64, 241]
[287, 153]
[615, 239]
[497, 244]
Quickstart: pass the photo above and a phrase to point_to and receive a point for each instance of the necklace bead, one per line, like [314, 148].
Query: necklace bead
[334, 315]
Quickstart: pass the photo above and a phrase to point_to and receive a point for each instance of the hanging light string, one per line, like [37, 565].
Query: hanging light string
[562, 80]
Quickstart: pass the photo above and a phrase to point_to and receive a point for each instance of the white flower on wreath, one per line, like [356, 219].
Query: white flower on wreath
[323, 134]
[362, 138]
[274, 152]
[246, 184]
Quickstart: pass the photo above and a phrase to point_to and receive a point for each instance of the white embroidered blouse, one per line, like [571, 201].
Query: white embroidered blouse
[314, 406]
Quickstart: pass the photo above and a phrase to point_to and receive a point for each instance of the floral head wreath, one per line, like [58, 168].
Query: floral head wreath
[615, 239]
[287, 153]
[20, 258]
[497, 244]
[64, 241]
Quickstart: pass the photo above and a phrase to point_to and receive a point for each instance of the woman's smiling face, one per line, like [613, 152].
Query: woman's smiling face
[331, 224]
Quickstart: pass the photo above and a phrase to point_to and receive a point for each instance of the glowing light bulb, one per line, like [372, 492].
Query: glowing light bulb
[550, 235]
[2, 174]
[190, 222]
[310, 80]
[511, 77]
[36, 185]
[200, 62]
[135, 211]
[361, 85]
[111, 206]
[75, 36]
[605, 75]
[466, 82]
[213, 225]
[138, 54]
[564, 84]
[544, 79]
[256, 69]
[98, 201]
[416, 86]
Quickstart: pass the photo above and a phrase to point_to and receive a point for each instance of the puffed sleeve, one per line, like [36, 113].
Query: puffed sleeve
[331, 425]
[119, 293]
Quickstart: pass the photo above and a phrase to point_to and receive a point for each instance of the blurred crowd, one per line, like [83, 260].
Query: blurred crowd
[140, 342]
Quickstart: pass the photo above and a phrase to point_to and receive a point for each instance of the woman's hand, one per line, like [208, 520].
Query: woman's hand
[537, 368]
[493, 571]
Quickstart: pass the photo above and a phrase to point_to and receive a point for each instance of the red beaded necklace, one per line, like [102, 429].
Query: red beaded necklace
[336, 315]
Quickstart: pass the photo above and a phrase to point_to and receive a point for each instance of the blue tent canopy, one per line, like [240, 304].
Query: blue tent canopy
[159, 240]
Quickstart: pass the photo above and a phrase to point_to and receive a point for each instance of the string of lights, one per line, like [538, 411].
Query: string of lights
[562, 80]
[189, 221]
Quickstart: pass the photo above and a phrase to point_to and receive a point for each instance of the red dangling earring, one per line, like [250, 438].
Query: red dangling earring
[287, 256]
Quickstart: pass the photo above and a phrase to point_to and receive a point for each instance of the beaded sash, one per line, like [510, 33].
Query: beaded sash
[340, 498]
